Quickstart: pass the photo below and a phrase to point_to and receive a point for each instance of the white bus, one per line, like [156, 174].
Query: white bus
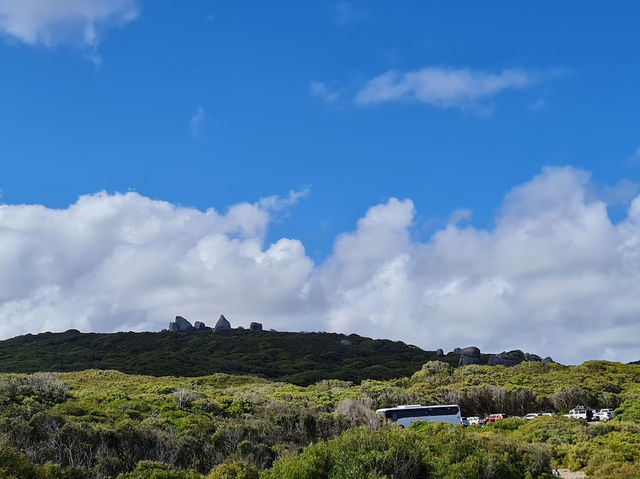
[405, 415]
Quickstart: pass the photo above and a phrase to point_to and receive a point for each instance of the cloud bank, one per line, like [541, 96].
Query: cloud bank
[444, 87]
[55, 22]
[554, 276]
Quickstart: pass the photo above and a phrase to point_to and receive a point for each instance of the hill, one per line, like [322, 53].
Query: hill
[299, 358]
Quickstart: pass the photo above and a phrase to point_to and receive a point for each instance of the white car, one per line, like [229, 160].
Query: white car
[475, 421]
[531, 415]
[604, 414]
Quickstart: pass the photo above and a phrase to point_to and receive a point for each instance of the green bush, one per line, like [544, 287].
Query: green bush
[426, 450]
[234, 470]
[155, 470]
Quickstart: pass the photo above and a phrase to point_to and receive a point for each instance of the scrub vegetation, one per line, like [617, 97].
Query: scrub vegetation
[107, 424]
[299, 358]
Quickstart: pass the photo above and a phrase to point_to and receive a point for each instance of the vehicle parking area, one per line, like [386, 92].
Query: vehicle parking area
[579, 412]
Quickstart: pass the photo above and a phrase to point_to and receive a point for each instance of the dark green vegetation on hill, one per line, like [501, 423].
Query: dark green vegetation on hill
[299, 358]
[101, 424]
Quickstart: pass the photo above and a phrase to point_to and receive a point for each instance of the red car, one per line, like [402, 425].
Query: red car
[495, 417]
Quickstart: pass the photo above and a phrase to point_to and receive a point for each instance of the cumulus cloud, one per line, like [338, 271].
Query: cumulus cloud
[124, 261]
[444, 87]
[554, 275]
[51, 23]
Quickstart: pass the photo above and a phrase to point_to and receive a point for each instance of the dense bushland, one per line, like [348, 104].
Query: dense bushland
[299, 358]
[100, 424]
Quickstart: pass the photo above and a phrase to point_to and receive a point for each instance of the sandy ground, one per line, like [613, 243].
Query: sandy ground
[567, 474]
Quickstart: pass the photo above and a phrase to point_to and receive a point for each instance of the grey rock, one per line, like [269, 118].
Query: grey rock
[180, 324]
[471, 352]
[532, 358]
[457, 351]
[467, 360]
[222, 324]
[240, 328]
[495, 361]
[346, 342]
[199, 325]
[502, 359]
[439, 352]
[255, 326]
[548, 360]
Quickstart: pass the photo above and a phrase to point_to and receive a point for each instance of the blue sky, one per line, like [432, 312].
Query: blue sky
[208, 104]
[71, 128]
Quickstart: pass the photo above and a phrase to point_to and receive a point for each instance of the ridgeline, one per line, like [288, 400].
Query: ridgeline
[298, 358]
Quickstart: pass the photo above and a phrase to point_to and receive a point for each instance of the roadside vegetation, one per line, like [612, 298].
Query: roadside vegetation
[105, 424]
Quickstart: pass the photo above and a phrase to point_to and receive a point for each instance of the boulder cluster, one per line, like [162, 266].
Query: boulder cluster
[181, 324]
[223, 324]
[472, 355]
[510, 358]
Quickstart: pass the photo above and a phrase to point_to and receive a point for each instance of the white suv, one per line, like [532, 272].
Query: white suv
[578, 412]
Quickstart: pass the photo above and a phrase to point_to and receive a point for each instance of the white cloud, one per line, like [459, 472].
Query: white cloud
[196, 121]
[123, 261]
[320, 90]
[444, 87]
[55, 22]
[554, 276]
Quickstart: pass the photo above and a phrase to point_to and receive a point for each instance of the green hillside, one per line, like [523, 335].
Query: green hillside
[105, 424]
[299, 358]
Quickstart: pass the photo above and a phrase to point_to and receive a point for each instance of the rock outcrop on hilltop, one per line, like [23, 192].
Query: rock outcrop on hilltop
[180, 324]
[222, 324]
[470, 355]
[503, 359]
[255, 326]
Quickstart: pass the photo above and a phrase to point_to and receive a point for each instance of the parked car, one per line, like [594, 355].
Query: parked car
[464, 421]
[495, 417]
[475, 421]
[604, 414]
[531, 415]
